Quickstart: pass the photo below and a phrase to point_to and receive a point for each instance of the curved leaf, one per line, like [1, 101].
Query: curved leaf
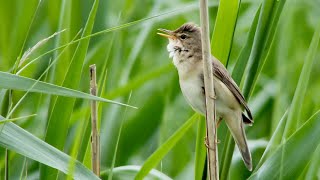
[15, 82]
[155, 158]
[294, 153]
[18, 140]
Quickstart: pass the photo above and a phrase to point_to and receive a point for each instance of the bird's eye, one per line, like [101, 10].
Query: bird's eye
[183, 36]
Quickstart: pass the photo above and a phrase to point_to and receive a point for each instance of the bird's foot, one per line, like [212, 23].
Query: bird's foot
[206, 143]
[213, 97]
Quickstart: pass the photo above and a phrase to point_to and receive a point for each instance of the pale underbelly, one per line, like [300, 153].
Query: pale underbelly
[225, 101]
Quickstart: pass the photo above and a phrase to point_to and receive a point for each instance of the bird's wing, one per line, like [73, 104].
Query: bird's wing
[221, 73]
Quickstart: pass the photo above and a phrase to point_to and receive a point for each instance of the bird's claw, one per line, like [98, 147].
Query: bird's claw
[213, 97]
[206, 143]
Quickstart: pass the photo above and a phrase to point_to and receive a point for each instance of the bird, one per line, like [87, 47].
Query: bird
[185, 49]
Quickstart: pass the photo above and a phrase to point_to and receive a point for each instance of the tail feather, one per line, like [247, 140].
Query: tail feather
[246, 120]
[235, 125]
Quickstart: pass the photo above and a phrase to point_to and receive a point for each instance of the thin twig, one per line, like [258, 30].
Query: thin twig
[209, 89]
[95, 142]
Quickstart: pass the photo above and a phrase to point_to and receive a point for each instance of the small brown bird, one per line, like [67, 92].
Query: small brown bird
[185, 49]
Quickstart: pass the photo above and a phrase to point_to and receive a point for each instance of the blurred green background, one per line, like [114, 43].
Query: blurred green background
[140, 73]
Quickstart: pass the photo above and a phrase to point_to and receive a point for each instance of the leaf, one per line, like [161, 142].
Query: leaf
[15, 82]
[267, 24]
[118, 140]
[294, 153]
[274, 142]
[200, 150]
[138, 81]
[156, 157]
[243, 58]
[224, 29]
[18, 140]
[128, 172]
[15, 119]
[296, 105]
[63, 107]
[314, 167]
[237, 74]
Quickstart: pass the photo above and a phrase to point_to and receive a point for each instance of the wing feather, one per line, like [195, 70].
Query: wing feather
[221, 73]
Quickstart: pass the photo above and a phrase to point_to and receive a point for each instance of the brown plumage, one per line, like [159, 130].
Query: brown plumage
[185, 48]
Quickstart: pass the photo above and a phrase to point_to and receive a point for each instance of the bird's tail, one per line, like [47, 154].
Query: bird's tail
[235, 125]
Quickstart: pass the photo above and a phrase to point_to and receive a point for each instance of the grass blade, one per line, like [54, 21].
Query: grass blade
[274, 142]
[224, 29]
[63, 107]
[294, 156]
[200, 150]
[237, 74]
[156, 157]
[127, 172]
[243, 58]
[138, 81]
[15, 82]
[295, 109]
[117, 142]
[15, 119]
[18, 140]
[267, 23]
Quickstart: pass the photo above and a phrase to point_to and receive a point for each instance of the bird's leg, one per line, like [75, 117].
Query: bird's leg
[206, 143]
[206, 138]
[213, 97]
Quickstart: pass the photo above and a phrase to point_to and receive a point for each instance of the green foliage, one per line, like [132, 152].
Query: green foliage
[13, 138]
[11, 81]
[294, 157]
[156, 157]
[62, 106]
[224, 29]
[270, 46]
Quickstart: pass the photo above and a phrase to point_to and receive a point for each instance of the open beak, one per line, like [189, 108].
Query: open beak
[166, 33]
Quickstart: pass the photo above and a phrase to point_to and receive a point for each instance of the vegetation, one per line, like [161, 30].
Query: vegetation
[147, 130]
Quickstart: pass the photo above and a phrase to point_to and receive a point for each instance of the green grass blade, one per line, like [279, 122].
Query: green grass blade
[267, 25]
[237, 74]
[200, 150]
[63, 107]
[18, 140]
[295, 109]
[274, 142]
[20, 59]
[138, 44]
[59, 72]
[15, 82]
[314, 167]
[129, 171]
[243, 58]
[156, 157]
[138, 81]
[117, 142]
[102, 86]
[15, 119]
[224, 29]
[295, 153]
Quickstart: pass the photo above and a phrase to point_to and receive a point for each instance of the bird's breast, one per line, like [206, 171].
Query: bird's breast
[192, 91]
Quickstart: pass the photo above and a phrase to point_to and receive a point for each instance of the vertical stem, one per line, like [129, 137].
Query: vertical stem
[7, 152]
[95, 142]
[6, 172]
[210, 94]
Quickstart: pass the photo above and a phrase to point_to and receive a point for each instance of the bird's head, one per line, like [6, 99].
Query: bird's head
[184, 42]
